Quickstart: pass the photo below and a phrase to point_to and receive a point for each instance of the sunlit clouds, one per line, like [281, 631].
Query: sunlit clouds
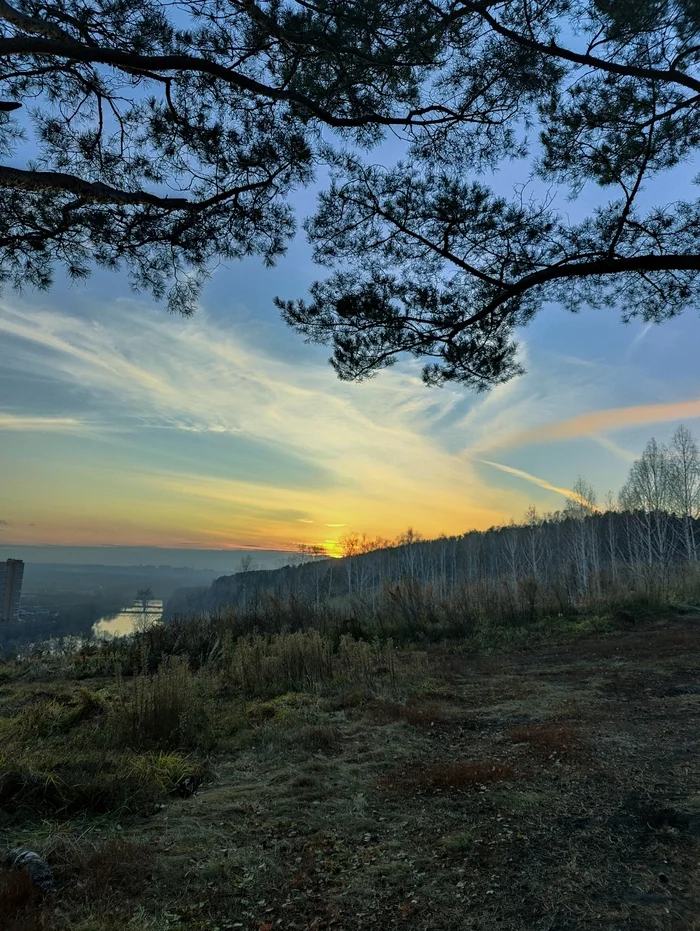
[123, 425]
[208, 442]
[595, 422]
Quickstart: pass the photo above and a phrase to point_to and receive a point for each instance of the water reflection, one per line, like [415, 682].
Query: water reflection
[139, 616]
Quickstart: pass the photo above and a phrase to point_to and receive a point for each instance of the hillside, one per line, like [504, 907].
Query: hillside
[562, 563]
[548, 788]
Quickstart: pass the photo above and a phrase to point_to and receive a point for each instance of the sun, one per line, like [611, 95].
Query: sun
[332, 548]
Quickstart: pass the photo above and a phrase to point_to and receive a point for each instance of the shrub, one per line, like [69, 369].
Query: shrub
[303, 661]
[285, 662]
[168, 710]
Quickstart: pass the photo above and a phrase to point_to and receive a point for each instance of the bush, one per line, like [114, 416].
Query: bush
[96, 783]
[44, 719]
[168, 710]
[303, 661]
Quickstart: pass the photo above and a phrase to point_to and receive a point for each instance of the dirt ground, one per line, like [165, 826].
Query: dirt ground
[554, 789]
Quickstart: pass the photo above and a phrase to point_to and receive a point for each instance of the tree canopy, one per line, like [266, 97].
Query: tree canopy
[164, 137]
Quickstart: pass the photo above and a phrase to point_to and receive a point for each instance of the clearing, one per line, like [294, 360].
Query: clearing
[554, 789]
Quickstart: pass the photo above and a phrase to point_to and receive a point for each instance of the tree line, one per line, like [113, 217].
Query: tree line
[644, 544]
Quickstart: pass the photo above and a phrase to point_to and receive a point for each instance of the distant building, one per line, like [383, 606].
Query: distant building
[11, 573]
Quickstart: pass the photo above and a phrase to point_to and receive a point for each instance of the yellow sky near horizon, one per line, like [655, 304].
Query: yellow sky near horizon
[130, 427]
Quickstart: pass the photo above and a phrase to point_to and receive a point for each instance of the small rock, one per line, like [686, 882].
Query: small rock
[187, 787]
[38, 869]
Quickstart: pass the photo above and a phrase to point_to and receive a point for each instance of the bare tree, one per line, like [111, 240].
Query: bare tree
[580, 506]
[647, 493]
[408, 542]
[246, 563]
[684, 497]
[146, 616]
[611, 546]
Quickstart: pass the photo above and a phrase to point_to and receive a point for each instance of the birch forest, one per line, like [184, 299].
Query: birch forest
[593, 555]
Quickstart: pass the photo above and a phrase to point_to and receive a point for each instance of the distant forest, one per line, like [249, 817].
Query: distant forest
[642, 545]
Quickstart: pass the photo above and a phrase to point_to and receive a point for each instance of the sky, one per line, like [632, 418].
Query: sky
[122, 425]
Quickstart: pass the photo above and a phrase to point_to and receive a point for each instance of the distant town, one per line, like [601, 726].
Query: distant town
[52, 594]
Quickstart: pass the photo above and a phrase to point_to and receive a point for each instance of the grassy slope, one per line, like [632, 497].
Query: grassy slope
[555, 788]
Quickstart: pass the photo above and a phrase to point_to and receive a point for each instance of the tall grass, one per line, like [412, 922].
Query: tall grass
[261, 665]
[169, 710]
[278, 646]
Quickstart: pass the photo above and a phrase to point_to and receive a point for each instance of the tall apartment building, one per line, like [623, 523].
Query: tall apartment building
[11, 573]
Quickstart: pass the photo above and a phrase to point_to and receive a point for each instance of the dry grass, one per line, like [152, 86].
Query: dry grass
[170, 710]
[63, 754]
[320, 738]
[113, 871]
[303, 661]
[423, 715]
[322, 812]
[446, 777]
[105, 880]
[548, 738]
[21, 905]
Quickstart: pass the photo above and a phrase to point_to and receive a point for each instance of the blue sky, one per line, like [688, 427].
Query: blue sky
[122, 425]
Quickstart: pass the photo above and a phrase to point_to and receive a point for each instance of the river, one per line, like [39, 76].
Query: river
[136, 617]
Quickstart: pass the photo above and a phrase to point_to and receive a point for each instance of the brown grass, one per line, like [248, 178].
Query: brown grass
[169, 710]
[547, 738]
[446, 777]
[20, 903]
[304, 660]
[107, 879]
[423, 715]
[393, 824]
[117, 868]
[320, 738]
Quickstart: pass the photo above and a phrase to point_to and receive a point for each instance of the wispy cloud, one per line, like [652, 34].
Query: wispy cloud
[139, 372]
[639, 337]
[181, 408]
[40, 424]
[605, 421]
[528, 477]
[627, 455]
